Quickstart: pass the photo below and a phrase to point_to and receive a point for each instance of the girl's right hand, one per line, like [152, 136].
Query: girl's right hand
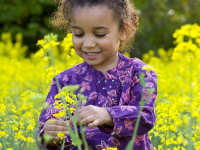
[52, 127]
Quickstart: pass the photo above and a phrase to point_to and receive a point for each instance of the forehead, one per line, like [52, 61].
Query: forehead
[93, 14]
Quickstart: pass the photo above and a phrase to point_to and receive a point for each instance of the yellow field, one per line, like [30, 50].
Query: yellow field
[25, 83]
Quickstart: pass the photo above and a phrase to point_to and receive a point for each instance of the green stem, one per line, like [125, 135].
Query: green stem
[131, 143]
[12, 136]
[142, 103]
[83, 137]
[54, 70]
[26, 138]
[58, 85]
[4, 145]
[63, 145]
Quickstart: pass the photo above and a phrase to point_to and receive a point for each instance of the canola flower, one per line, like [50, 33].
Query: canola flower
[110, 148]
[24, 89]
[60, 135]
[148, 68]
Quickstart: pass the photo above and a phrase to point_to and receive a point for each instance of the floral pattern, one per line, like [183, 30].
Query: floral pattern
[120, 93]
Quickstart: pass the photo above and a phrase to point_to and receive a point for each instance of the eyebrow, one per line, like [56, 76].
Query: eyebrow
[75, 27]
[101, 27]
[96, 28]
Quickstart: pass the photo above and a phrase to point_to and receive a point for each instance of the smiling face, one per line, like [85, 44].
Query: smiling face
[96, 36]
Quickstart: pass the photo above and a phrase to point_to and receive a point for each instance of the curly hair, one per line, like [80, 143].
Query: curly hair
[123, 10]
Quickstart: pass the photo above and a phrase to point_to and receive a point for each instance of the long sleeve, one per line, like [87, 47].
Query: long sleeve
[125, 115]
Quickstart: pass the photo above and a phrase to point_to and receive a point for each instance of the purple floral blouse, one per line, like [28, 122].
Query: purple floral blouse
[120, 93]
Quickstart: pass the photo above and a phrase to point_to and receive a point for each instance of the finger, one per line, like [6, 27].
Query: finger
[56, 128]
[50, 121]
[93, 124]
[61, 123]
[85, 108]
[84, 114]
[87, 120]
[55, 133]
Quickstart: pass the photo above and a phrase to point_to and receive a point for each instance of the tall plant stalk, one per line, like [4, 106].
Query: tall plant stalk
[73, 134]
[130, 145]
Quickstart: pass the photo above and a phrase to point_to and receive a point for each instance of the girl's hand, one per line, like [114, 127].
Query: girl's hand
[52, 127]
[95, 116]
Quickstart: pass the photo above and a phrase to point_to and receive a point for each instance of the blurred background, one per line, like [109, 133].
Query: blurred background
[158, 21]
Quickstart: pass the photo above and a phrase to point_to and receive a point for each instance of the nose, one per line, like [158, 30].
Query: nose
[89, 43]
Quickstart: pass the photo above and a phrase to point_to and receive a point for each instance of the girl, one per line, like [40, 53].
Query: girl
[109, 79]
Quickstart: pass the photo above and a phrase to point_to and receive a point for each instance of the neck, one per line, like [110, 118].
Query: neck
[112, 64]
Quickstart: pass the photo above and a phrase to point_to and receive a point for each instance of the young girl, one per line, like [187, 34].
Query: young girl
[109, 79]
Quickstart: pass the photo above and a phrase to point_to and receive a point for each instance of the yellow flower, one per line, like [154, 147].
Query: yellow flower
[2, 109]
[40, 42]
[30, 139]
[147, 68]
[61, 135]
[54, 43]
[73, 143]
[40, 53]
[69, 99]
[126, 54]
[60, 114]
[30, 127]
[47, 46]
[111, 148]
[14, 128]
[58, 104]
[72, 109]
[2, 133]
[9, 149]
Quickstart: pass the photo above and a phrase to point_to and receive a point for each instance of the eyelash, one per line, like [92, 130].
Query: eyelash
[97, 35]
[78, 35]
[100, 35]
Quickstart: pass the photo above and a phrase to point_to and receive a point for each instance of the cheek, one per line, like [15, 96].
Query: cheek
[77, 47]
[76, 43]
[110, 45]
[106, 43]
[112, 42]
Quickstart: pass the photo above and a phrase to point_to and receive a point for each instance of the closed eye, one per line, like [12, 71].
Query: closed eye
[78, 35]
[100, 35]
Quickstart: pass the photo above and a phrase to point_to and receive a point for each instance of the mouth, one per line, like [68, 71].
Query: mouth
[91, 55]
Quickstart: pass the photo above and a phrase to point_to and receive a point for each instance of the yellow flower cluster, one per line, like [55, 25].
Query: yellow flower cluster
[24, 86]
[70, 100]
[189, 48]
[26, 81]
[177, 104]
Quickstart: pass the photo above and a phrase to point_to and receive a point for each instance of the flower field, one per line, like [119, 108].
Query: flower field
[25, 83]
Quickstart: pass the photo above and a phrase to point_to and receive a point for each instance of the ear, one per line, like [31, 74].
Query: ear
[123, 33]
[123, 37]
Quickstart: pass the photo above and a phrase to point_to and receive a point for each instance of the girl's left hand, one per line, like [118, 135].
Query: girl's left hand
[94, 116]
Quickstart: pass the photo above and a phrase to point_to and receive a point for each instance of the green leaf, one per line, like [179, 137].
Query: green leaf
[130, 145]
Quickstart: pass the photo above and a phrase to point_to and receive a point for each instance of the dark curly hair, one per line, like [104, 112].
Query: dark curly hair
[124, 12]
